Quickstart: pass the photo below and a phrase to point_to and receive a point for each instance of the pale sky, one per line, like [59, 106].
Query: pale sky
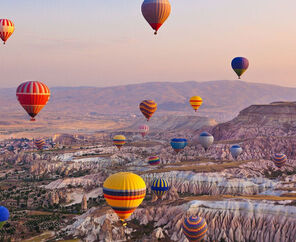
[108, 42]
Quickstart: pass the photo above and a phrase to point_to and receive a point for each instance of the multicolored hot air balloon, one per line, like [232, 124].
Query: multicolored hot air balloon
[119, 141]
[235, 151]
[124, 192]
[39, 143]
[4, 216]
[154, 160]
[206, 140]
[6, 29]
[144, 129]
[178, 144]
[160, 186]
[148, 108]
[33, 96]
[240, 65]
[156, 12]
[279, 160]
[195, 102]
[195, 228]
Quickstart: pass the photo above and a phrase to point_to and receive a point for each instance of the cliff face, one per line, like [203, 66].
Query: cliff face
[229, 220]
[275, 119]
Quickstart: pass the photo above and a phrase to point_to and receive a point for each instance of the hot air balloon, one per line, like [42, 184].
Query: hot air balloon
[144, 129]
[195, 102]
[4, 216]
[240, 65]
[195, 228]
[235, 151]
[156, 12]
[154, 160]
[39, 143]
[119, 141]
[33, 96]
[124, 192]
[279, 160]
[178, 144]
[160, 186]
[206, 140]
[148, 108]
[6, 29]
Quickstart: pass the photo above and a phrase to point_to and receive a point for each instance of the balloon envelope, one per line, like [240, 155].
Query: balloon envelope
[4, 215]
[156, 12]
[195, 228]
[119, 141]
[279, 160]
[124, 192]
[6, 29]
[160, 186]
[144, 129]
[206, 140]
[240, 65]
[195, 102]
[33, 96]
[39, 143]
[235, 151]
[148, 108]
[154, 160]
[178, 144]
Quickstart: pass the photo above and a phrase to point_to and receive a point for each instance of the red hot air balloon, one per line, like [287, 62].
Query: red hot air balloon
[156, 12]
[33, 96]
[6, 29]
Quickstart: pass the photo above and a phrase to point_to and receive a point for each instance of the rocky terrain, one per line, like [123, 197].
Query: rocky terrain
[248, 199]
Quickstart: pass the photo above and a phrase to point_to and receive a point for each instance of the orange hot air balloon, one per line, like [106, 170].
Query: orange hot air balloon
[6, 29]
[195, 102]
[148, 108]
[156, 12]
[33, 96]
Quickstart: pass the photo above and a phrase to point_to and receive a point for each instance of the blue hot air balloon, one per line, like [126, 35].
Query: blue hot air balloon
[235, 151]
[160, 186]
[240, 65]
[4, 216]
[178, 144]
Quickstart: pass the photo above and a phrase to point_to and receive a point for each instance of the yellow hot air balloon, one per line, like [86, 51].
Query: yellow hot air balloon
[124, 192]
[195, 102]
[119, 141]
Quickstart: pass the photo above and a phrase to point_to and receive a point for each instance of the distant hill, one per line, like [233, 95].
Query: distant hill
[222, 99]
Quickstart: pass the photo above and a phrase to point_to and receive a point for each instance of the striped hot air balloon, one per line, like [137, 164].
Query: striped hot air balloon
[178, 144]
[119, 141]
[279, 160]
[195, 228]
[235, 151]
[160, 186]
[4, 216]
[195, 102]
[33, 96]
[206, 140]
[124, 192]
[144, 129]
[148, 108]
[6, 29]
[156, 12]
[39, 143]
[154, 160]
[240, 65]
